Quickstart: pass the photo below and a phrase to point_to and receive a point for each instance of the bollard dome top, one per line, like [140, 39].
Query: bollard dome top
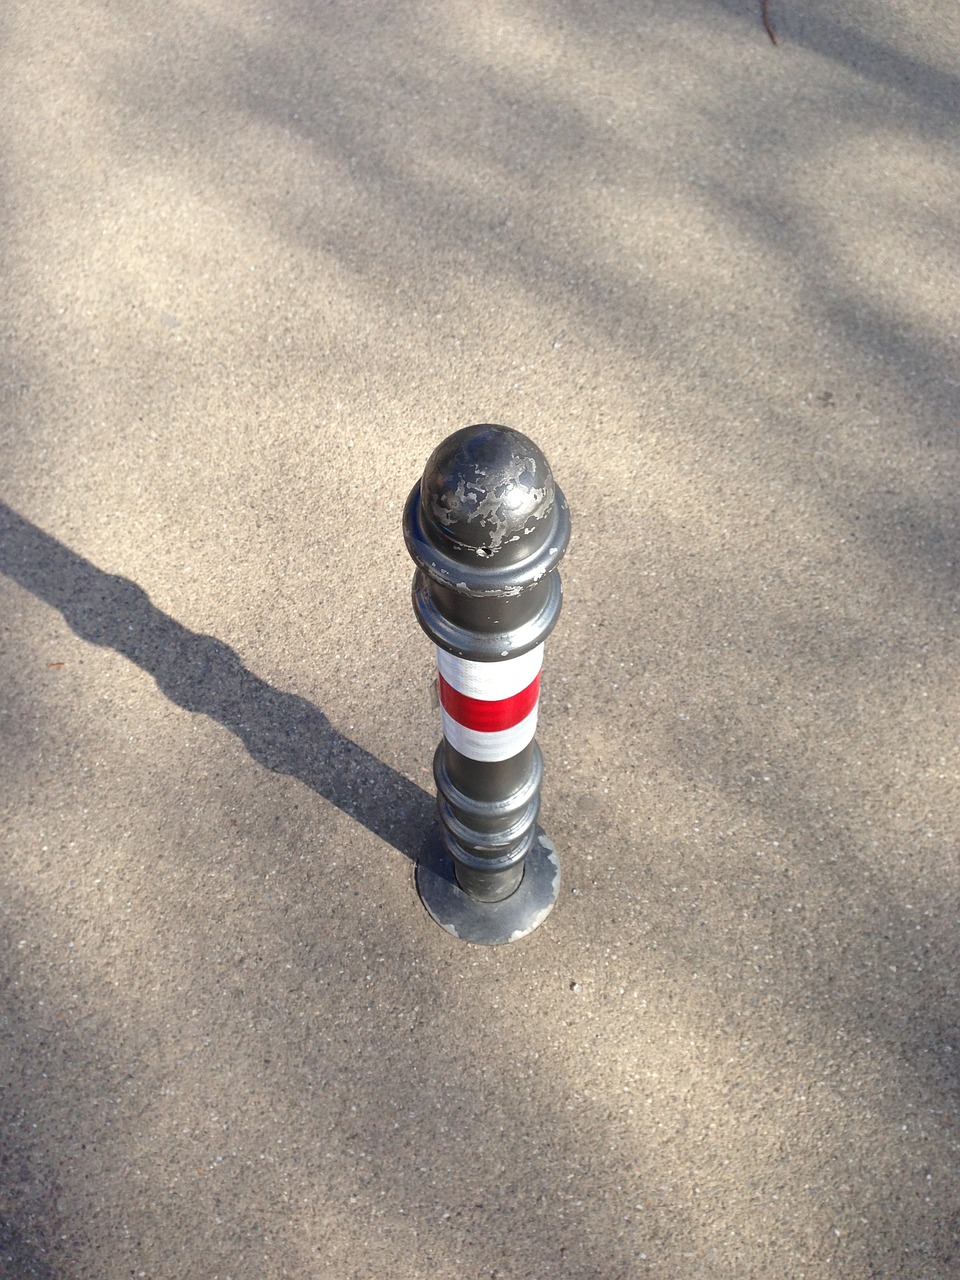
[486, 522]
[487, 494]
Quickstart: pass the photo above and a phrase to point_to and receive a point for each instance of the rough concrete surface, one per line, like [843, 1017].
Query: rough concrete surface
[257, 258]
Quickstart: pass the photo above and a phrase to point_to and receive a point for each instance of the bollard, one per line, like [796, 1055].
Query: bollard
[487, 527]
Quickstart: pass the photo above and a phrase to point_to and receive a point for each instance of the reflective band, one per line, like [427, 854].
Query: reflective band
[489, 717]
[489, 709]
[490, 680]
[489, 746]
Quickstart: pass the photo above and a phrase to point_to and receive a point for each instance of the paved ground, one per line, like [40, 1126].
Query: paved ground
[258, 257]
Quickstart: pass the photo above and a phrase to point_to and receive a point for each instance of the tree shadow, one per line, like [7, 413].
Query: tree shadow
[17, 1246]
[282, 731]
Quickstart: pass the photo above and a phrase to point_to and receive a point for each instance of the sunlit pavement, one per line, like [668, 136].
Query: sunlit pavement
[258, 259]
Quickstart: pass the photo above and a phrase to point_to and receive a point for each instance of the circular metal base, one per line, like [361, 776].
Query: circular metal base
[490, 923]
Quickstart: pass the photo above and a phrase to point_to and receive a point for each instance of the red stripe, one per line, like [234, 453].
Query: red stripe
[489, 717]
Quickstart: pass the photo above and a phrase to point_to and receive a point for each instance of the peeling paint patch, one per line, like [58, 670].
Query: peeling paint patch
[487, 503]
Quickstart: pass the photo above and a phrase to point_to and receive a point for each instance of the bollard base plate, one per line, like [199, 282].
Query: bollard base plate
[490, 923]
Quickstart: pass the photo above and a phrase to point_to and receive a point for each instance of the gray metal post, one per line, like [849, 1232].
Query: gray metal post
[487, 526]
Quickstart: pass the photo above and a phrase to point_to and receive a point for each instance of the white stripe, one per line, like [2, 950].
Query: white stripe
[489, 746]
[490, 681]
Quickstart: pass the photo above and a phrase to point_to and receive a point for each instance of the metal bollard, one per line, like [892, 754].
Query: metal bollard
[487, 526]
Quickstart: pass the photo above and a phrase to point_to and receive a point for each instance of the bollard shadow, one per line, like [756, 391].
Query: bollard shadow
[283, 732]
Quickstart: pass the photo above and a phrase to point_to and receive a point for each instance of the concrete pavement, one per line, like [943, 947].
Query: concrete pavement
[256, 261]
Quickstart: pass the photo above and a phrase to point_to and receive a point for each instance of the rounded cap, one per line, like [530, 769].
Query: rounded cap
[486, 495]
